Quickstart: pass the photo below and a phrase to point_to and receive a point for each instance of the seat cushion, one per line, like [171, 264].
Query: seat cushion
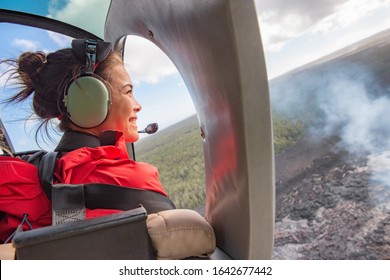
[180, 234]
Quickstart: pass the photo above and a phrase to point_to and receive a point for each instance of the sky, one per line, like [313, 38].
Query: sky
[294, 32]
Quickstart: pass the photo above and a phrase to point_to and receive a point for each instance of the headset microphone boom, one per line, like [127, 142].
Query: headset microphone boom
[150, 128]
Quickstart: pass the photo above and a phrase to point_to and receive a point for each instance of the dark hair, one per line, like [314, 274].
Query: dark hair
[46, 77]
[3, 143]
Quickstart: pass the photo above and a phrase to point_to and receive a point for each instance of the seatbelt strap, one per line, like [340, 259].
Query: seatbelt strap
[106, 196]
[46, 171]
[94, 196]
[67, 203]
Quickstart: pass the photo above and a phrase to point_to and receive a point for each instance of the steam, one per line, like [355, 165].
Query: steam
[341, 100]
[379, 165]
[361, 120]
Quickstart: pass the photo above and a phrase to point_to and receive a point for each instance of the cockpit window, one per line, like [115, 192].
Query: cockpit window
[83, 14]
[176, 149]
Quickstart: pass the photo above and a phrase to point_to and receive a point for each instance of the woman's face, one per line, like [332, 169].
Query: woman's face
[124, 107]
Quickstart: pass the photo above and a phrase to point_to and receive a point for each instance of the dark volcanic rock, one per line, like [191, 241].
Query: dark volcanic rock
[328, 207]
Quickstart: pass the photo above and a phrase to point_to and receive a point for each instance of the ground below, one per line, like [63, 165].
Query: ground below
[328, 206]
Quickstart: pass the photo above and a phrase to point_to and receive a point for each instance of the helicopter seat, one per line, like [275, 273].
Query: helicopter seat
[180, 234]
[148, 228]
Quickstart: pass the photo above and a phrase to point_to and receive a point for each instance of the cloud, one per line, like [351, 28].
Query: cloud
[61, 40]
[73, 12]
[348, 13]
[146, 62]
[26, 45]
[283, 20]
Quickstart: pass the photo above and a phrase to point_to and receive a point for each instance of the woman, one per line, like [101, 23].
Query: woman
[82, 156]
[88, 90]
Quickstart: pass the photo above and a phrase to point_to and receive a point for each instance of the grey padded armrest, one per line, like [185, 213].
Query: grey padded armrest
[118, 236]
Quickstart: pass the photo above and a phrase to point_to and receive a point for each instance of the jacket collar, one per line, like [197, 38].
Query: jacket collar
[72, 140]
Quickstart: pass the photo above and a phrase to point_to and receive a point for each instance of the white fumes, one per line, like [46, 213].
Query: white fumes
[360, 119]
[344, 101]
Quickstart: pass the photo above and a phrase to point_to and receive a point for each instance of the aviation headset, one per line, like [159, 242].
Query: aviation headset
[87, 97]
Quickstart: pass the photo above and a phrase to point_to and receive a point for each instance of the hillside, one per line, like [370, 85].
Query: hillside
[332, 188]
[368, 53]
[177, 152]
[347, 96]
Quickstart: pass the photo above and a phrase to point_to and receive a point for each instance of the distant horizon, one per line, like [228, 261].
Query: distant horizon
[320, 60]
[325, 58]
[332, 55]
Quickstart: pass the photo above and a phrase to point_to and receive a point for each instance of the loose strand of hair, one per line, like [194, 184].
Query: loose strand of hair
[23, 91]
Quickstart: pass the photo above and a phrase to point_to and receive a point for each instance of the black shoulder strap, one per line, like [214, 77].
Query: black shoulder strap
[46, 170]
[102, 196]
[35, 158]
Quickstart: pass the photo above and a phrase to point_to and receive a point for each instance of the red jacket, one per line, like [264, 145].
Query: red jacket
[21, 193]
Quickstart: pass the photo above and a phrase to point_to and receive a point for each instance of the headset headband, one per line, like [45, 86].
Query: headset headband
[91, 51]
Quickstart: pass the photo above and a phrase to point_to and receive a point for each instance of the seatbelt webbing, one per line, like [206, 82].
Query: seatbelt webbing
[68, 203]
[94, 195]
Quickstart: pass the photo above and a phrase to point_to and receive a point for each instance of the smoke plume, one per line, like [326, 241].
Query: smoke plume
[343, 100]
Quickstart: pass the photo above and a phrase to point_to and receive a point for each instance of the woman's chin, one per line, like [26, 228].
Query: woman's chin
[132, 137]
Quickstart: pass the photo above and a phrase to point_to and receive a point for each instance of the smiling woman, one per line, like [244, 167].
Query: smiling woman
[87, 88]
[157, 84]
[216, 47]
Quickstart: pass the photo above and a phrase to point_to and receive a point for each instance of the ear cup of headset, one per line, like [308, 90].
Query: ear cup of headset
[87, 101]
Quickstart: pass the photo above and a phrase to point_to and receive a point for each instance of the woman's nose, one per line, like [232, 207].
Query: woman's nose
[137, 106]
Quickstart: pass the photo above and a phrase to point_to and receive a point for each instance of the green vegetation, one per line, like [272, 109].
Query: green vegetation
[178, 154]
[286, 132]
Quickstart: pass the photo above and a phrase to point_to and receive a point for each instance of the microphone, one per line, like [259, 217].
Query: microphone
[150, 128]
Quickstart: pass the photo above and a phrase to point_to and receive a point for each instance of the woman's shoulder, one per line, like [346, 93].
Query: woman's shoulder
[15, 169]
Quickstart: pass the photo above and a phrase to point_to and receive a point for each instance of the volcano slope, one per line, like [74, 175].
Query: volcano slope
[327, 205]
[330, 203]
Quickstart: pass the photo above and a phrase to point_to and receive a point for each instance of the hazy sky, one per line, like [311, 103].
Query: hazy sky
[294, 32]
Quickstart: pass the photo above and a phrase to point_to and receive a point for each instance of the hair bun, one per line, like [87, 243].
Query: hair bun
[30, 65]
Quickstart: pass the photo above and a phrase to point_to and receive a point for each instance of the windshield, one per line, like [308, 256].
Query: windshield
[87, 15]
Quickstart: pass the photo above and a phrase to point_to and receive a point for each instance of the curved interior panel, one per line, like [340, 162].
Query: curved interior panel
[216, 47]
